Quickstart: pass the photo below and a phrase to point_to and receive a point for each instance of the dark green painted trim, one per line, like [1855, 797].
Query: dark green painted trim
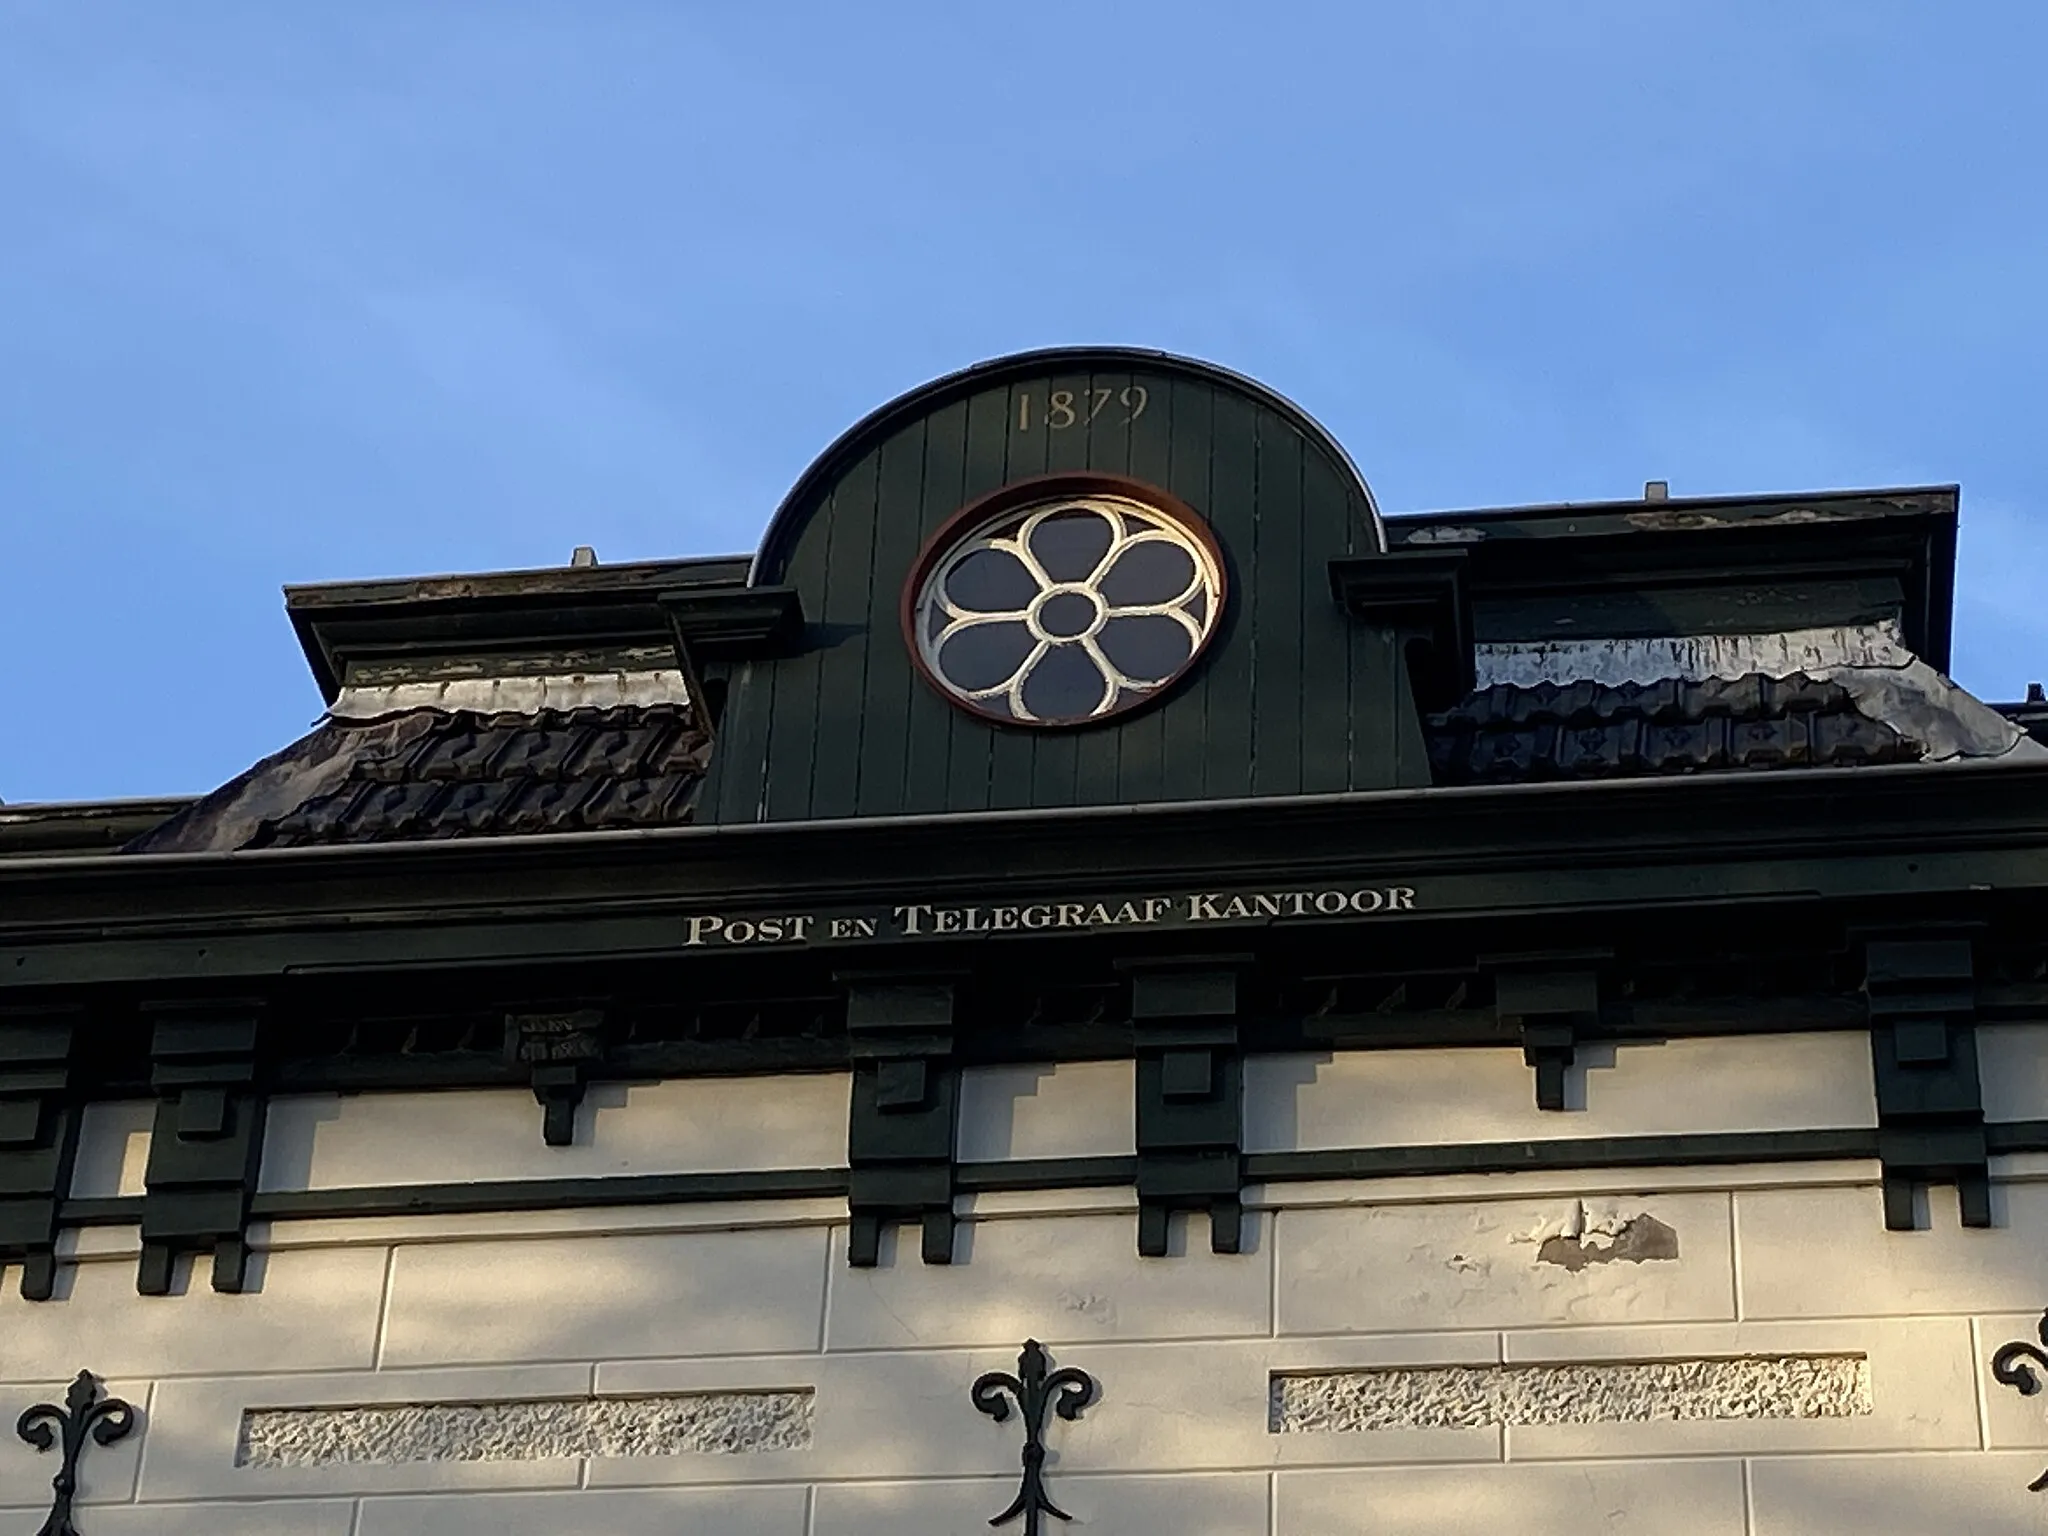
[474, 1198]
[2017, 1136]
[103, 1211]
[1937, 837]
[1045, 1173]
[1708, 564]
[733, 623]
[398, 626]
[69, 829]
[1734, 608]
[1567, 1153]
[550, 1194]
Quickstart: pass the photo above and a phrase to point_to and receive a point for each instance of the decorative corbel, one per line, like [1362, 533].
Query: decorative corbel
[906, 1094]
[560, 1049]
[1922, 994]
[1190, 1086]
[38, 1141]
[207, 1145]
[1551, 1002]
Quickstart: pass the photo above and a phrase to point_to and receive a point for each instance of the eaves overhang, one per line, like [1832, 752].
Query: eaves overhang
[562, 618]
[1952, 831]
[1586, 557]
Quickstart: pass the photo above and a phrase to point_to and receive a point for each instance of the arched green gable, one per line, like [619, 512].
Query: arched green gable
[1291, 698]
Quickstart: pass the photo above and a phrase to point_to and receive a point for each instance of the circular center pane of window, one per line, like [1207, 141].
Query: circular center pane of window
[1068, 610]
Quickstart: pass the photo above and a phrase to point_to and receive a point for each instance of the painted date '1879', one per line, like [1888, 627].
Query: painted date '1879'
[1064, 408]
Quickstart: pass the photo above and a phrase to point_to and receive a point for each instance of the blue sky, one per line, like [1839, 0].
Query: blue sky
[313, 291]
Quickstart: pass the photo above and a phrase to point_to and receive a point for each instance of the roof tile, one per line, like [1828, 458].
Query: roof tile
[475, 775]
[1507, 733]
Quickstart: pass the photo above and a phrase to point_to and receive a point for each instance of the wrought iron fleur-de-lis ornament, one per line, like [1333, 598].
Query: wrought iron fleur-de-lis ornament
[85, 1413]
[2010, 1368]
[1066, 1391]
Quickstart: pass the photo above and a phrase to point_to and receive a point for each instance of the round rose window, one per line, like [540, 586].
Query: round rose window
[1066, 609]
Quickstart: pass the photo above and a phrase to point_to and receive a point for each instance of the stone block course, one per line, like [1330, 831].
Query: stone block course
[284, 1517]
[775, 1511]
[1826, 1253]
[1536, 1364]
[593, 1298]
[1073, 1109]
[1646, 1498]
[683, 1125]
[312, 1311]
[1981, 1494]
[1798, 1082]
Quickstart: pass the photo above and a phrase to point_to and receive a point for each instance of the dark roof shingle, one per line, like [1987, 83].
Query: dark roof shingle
[435, 774]
[1509, 733]
[473, 775]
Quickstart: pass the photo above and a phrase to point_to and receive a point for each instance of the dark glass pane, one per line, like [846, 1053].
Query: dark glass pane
[1152, 572]
[1071, 544]
[983, 655]
[991, 581]
[1067, 614]
[1197, 608]
[1147, 649]
[1066, 683]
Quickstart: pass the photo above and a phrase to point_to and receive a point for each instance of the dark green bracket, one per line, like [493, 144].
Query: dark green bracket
[1190, 1109]
[38, 1140]
[207, 1145]
[1922, 993]
[1550, 1002]
[560, 1049]
[905, 1102]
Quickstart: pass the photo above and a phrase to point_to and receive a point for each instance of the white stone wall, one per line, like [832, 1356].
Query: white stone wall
[1329, 1099]
[1733, 1351]
[836, 1400]
[688, 1125]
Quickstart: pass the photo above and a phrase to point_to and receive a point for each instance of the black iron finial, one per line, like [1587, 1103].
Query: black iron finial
[85, 1413]
[2011, 1367]
[1066, 1391]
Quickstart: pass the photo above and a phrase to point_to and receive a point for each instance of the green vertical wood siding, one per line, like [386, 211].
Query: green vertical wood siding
[1289, 698]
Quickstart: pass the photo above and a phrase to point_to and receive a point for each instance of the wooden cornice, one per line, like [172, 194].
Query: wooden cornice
[1953, 833]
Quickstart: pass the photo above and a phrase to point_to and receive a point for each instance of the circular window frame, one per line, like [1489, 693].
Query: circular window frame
[1032, 492]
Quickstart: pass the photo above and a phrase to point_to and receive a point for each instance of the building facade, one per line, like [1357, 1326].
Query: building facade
[1092, 980]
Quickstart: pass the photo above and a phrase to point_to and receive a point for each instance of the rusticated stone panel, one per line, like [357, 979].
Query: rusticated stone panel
[1471, 1397]
[716, 1423]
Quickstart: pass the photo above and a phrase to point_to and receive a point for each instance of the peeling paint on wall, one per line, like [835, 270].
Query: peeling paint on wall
[1580, 1237]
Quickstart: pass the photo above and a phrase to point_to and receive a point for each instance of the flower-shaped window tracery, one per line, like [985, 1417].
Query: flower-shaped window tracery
[1067, 611]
